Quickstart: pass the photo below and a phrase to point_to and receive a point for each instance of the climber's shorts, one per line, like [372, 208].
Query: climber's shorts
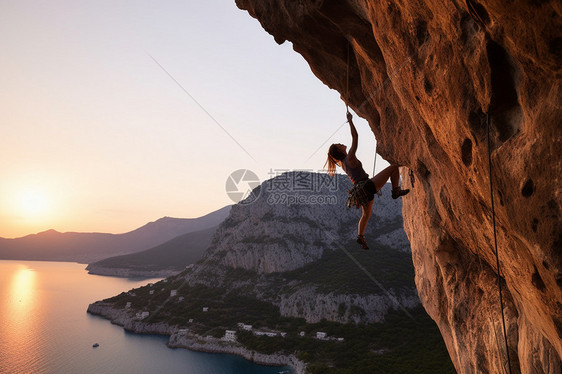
[361, 194]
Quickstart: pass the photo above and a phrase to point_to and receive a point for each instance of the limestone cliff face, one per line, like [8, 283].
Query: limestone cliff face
[280, 233]
[298, 220]
[308, 303]
[429, 77]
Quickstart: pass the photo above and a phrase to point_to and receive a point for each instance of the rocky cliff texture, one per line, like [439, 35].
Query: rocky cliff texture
[290, 225]
[430, 77]
[298, 221]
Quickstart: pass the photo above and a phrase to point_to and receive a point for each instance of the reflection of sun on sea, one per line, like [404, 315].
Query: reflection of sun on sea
[22, 292]
[20, 315]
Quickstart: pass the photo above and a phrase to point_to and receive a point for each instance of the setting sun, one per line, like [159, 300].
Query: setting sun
[33, 202]
[30, 203]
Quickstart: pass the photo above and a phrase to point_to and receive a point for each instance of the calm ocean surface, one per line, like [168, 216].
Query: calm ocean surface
[44, 328]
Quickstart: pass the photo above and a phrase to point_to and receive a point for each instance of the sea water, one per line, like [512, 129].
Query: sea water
[44, 328]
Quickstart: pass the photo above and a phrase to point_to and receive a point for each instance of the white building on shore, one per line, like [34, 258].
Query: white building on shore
[229, 336]
[245, 327]
[271, 334]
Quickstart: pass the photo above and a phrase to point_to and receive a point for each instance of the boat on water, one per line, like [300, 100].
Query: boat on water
[95, 345]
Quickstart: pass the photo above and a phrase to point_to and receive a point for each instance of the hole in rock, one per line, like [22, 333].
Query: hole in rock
[423, 170]
[537, 281]
[478, 12]
[528, 188]
[421, 32]
[427, 86]
[505, 111]
[477, 123]
[534, 225]
[466, 152]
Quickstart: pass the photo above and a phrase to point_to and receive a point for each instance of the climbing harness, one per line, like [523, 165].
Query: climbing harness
[357, 195]
[496, 241]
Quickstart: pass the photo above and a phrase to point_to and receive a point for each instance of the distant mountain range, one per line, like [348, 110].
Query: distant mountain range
[163, 260]
[52, 245]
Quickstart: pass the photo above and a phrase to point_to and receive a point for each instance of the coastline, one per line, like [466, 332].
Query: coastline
[130, 273]
[187, 340]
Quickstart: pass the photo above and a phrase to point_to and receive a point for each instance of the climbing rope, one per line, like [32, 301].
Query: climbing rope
[347, 80]
[379, 193]
[375, 162]
[496, 242]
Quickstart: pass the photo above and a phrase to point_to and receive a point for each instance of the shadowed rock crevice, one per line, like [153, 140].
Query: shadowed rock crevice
[478, 12]
[528, 188]
[537, 281]
[505, 112]
[466, 152]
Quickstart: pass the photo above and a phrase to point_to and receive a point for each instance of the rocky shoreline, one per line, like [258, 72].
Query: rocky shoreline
[130, 273]
[185, 339]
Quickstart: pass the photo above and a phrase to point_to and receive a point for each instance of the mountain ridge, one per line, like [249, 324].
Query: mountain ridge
[163, 260]
[51, 245]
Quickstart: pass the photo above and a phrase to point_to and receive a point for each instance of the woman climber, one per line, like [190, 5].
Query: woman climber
[364, 189]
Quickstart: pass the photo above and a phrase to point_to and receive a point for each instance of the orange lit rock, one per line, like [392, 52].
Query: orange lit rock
[428, 76]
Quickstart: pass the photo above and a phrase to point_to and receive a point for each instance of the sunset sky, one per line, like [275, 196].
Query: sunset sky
[98, 135]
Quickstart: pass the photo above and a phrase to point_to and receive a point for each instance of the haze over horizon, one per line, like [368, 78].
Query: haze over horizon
[115, 114]
[114, 233]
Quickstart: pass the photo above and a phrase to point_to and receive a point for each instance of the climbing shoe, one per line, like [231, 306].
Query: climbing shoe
[397, 192]
[361, 240]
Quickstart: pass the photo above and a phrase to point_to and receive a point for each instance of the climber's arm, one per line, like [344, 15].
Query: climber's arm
[354, 137]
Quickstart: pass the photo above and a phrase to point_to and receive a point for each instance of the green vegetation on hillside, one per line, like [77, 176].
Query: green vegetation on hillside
[399, 345]
[336, 272]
